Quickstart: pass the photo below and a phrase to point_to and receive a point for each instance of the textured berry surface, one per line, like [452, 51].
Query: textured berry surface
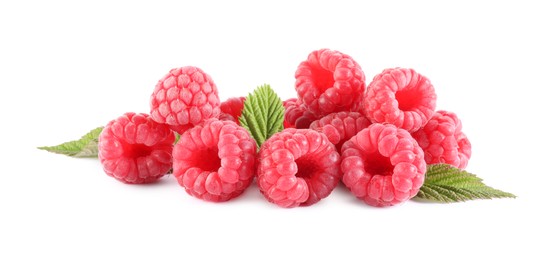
[297, 167]
[443, 141]
[383, 165]
[330, 81]
[183, 98]
[401, 97]
[296, 114]
[341, 126]
[231, 109]
[135, 149]
[215, 161]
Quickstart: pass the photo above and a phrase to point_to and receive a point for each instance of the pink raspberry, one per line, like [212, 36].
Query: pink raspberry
[297, 115]
[297, 167]
[401, 97]
[340, 127]
[183, 98]
[443, 141]
[231, 109]
[383, 165]
[135, 149]
[215, 161]
[330, 81]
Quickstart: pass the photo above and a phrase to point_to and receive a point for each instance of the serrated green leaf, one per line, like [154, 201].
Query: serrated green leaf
[445, 183]
[86, 146]
[263, 114]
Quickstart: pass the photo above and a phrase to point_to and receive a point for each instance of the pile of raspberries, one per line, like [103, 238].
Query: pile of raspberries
[377, 139]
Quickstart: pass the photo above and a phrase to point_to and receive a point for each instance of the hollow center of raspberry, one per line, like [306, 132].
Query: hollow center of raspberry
[322, 78]
[206, 160]
[409, 98]
[306, 167]
[137, 150]
[377, 164]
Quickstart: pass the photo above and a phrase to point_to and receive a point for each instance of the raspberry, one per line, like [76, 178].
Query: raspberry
[443, 141]
[401, 97]
[341, 126]
[231, 109]
[135, 149]
[297, 115]
[215, 161]
[330, 81]
[383, 165]
[183, 98]
[297, 167]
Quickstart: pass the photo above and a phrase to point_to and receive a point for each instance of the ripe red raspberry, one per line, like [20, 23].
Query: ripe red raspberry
[330, 81]
[401, 97]
[383, 165]
[340, 127]
[231, 109]
[297, 115]
[215, 161]
[135, 149]
[184, 98]
[443, 141]
[297, 167]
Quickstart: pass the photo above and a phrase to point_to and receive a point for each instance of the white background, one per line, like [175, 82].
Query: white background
[68, 67]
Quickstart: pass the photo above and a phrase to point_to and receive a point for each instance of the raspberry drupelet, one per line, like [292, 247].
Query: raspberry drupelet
[330, 81]
[135, 149]
[383, 165]
[297, 167]
[183, 98]
[400, 97]
[215, 161]
[443, 141]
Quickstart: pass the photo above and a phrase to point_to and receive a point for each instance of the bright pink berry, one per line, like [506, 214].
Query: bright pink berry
[383, 165]
[297, 167]
[215, 161]
[330, 81]
[183, 98]
[401, 97]
[297, 115]
[135, 149]
[340, 127]
[231, 109]
[443, 141]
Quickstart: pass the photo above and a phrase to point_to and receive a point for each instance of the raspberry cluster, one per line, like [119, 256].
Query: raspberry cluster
[296, 114]
[383, 165]
[215, 161]
[183, 98]
[231, 109]
[443, 140]
[401, 97]
[133, 148]
[377, 139]
[330, 81]
[297, 167]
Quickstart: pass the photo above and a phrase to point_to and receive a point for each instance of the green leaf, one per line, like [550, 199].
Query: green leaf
[445, 183]
[87, 146]
[263, 114]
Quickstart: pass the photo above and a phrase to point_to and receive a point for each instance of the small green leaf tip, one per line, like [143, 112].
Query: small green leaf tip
[445, 183]
[263, 114]
[85, 147]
